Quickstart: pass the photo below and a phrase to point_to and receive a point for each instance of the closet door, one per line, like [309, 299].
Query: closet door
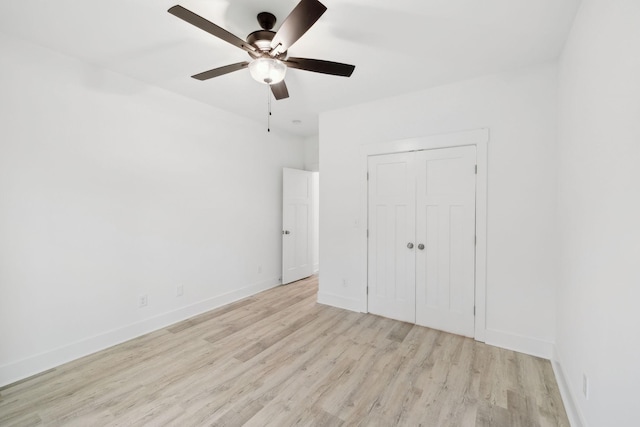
[445, 239]
[391, 250]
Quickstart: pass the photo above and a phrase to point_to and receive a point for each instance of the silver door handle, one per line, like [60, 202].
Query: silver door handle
[286, 232]
[410, 245]
[421, 246]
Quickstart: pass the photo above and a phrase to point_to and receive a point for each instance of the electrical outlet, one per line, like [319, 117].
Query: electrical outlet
[585, 386]
[345, 283]
[179, 290]
[142, 301]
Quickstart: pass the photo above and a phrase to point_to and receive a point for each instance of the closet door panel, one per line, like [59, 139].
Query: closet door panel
[445, 226]
[391, 251]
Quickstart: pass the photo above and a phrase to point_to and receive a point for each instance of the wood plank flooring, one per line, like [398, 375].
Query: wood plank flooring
[280, 359]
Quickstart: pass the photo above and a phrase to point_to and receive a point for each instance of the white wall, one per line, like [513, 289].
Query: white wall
[520, 109]
[599, 212]
[110, 189]
[311, 153]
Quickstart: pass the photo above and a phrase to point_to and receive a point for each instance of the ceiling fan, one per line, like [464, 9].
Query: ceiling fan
[268, 49]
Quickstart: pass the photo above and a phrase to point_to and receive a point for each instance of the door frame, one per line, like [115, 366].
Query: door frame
[477, 137]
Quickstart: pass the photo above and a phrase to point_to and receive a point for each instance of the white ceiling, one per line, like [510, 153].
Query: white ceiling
[397, 46]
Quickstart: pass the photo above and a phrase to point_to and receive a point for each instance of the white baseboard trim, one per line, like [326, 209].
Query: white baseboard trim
[340, 302]
[519, 343]
[574, 415]
[39, 363]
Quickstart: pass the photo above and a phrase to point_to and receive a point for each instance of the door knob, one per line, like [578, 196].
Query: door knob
[410, 245]
[421, 246]
[286, 232]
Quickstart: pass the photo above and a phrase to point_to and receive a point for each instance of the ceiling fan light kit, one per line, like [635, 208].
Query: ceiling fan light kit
[268, 49]
[267, 70]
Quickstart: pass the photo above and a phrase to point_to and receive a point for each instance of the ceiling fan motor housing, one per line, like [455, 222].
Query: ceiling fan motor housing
[261, 39]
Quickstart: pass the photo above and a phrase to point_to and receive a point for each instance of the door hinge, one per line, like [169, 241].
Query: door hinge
[474, 310]
[367, 290]
[367, 176]
[367, 233]
[476, 169]
[475, 240]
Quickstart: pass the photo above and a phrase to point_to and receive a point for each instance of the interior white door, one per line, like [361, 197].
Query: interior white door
[445, 236]
[391, 285]
[297, 225]
[421, 247]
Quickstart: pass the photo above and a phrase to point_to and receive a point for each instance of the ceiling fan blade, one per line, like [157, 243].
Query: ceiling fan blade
[279, 90]
[210, 27]
[320, 66]
[206, 75]
[301, 18]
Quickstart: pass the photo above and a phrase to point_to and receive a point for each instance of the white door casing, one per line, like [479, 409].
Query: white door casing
[297, 224]
[421, 246]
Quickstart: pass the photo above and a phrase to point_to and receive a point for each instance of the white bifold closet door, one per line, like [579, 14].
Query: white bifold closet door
[422, 238]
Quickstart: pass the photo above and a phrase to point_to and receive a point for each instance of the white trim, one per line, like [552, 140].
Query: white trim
[33, 365]
[520, 343]
[455, 139]
[477, 137]
[573, 413]
[340, 302]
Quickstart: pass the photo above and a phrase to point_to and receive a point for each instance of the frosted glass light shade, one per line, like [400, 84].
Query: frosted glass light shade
[267, 70]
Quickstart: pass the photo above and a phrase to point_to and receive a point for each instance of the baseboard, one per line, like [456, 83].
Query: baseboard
[574, 415]
[519, 343]
[33, 365]
[340, 302]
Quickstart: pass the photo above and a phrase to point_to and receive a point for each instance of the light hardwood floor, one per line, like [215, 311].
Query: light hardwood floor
[280, 359]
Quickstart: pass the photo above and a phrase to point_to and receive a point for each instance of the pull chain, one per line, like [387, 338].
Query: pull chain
[268, 108]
